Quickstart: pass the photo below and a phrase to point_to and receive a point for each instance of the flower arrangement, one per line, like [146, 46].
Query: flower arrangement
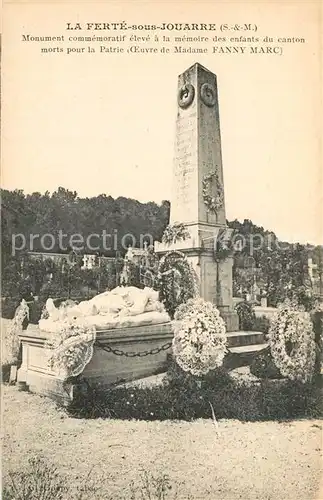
[175, 232]
[15, 329]
[200, 342]
[292, 342]
[212, 202]
[176, 281]
[71, 349]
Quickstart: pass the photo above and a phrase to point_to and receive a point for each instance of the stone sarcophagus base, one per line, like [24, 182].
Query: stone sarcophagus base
[105, 368]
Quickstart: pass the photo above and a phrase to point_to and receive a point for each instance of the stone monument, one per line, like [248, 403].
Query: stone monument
[198, 192]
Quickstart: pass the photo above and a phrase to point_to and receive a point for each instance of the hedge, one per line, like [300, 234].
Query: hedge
[184, 397]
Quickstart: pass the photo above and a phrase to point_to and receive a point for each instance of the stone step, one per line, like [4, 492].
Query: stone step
[243, 355]
[248, 349]
[240, 338]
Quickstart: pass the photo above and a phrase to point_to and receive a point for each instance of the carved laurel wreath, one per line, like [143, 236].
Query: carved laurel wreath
[208, 95]
[186, 95]
[212, 202]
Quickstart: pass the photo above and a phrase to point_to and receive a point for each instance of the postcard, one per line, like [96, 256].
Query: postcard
[162, 251]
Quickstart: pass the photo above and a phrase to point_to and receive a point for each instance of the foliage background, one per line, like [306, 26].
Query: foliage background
[280, 268]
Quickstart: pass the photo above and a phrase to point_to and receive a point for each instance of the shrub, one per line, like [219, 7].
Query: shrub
[246, 315]
[303, 297]
[260, 324]
[5, 372]
[8, 307]
[53, 290]
[200, 341]
[317, 320]
[263, 366]
[292, 342]
[133, 274]
[35, 311]
[184, 397]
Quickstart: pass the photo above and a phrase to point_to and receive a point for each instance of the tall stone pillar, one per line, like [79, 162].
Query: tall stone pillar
[198, 193]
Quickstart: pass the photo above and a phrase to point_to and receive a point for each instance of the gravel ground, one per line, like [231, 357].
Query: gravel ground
[249, 461]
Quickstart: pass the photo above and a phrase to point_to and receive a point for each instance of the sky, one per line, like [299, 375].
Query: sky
[105, 123]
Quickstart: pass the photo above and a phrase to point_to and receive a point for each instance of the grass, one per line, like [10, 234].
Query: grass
[39, 482]
[42, 481]
[150, 487]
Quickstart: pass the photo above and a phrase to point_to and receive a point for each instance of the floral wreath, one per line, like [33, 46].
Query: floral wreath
[71, 349]
[175, 232]
[177, 280]
[292, 342]
[15, 329]
[200, 341]
[212, 203]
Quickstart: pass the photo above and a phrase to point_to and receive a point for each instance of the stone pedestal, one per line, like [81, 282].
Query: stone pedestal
[104, 369]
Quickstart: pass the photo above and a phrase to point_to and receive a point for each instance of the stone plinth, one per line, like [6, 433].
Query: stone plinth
[104, 368]
[214, 278]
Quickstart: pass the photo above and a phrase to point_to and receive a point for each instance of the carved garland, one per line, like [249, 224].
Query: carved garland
[212, 203]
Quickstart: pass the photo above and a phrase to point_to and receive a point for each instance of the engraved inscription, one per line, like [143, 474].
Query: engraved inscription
[185, 165]
[209, 279]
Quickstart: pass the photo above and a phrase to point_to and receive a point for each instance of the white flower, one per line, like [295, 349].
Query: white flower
[199, 343]
[299, 364]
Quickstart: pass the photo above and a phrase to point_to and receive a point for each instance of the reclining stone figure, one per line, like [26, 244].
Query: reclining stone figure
[115, 307]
